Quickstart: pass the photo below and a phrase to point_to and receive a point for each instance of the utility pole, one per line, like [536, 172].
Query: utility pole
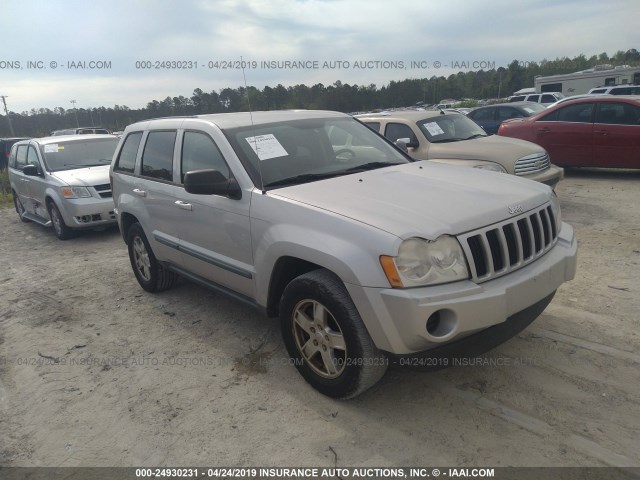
[75, 111]
[4, 101]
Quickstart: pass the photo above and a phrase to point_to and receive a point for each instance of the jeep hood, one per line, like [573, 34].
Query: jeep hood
[422, 198]
[83, 177]
[494, 148]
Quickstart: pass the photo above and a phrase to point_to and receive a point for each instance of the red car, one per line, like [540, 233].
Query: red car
[588, 132]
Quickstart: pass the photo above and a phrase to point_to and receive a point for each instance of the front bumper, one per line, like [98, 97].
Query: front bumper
[551, 176]
[397, 319]
[87, 212]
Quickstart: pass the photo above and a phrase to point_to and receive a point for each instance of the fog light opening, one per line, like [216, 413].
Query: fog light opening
[433, 322]
[441, 323]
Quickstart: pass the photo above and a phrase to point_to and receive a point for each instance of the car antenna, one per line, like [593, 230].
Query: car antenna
[255, 143]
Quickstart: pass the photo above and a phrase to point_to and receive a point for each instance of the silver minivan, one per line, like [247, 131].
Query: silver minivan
[63, 181]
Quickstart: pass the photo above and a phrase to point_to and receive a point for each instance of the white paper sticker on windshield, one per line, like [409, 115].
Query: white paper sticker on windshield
[51, 148]
[433, 128]
[267, 146]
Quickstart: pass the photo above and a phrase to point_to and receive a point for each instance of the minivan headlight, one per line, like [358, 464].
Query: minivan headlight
[421, 262]
[75, 192]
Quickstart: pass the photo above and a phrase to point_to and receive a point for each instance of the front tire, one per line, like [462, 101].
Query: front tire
[325, 336]
[150, 273]
[62, 231]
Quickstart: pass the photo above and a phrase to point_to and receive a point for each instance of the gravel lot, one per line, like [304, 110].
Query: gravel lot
[96, 372]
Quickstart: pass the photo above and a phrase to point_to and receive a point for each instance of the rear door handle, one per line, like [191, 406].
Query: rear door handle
[139, 192]
[601, 132]
[183, 205]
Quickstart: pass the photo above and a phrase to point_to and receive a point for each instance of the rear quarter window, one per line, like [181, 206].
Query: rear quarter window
[126, 161]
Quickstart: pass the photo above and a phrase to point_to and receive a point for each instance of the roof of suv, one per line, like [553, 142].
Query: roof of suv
[405, 114]
[244, 119]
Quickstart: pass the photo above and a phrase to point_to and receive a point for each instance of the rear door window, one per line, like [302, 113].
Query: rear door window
[618, 114]
[157, 158]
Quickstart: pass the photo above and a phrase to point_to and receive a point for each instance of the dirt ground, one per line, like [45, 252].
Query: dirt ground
[96, 372]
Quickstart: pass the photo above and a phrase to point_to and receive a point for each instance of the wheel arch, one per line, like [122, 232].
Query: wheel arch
[126, 221]
[284, 270]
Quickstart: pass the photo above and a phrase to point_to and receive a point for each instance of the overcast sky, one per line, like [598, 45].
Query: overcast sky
[45, 44]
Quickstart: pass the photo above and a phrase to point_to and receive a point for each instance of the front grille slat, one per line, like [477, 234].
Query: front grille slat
[103, 190]
[498, 249]
[534, 164]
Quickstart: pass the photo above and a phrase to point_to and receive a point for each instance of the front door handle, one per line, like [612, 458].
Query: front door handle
[139, 192]
[601, 132]
[544, 130]
[183, 205]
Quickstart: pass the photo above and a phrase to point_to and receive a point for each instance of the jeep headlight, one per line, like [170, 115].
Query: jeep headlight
[555, 208]
[421, 262]
[75, 192]
[492, 167]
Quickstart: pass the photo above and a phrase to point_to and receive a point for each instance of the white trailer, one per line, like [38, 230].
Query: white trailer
[581, 82]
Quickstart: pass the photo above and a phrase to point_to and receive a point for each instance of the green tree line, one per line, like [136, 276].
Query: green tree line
[494, 83]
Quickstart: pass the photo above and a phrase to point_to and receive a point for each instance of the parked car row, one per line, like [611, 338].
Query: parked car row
[367, 256]
[542, 98]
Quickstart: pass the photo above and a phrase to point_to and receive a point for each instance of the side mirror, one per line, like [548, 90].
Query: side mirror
[406, 143]
[211, 182]
[31, 170]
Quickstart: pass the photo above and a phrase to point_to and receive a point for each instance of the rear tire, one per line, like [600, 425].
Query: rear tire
[151, 274]
[325, 336]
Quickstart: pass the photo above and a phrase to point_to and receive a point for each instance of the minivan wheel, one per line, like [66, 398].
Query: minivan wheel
[326, 338]
[150, 273]
[62, 231]
[19, 207]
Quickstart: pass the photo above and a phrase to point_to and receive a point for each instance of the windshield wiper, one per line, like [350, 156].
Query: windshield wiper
[311, 177]
[303, 178]
[447, 140]
[476, 136]
[369, 166]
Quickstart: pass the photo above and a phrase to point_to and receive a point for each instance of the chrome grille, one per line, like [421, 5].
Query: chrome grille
[103, 190]
[501, 248]
[534, 163]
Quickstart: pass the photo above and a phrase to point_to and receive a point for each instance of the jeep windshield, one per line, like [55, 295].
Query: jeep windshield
[301, 151]
[450, 128]
[89, 152]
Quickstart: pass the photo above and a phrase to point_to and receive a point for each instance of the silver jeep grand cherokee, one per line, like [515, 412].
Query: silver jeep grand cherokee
[366, 256]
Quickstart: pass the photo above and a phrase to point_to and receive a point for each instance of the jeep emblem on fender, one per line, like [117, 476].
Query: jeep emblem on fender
[515, 209]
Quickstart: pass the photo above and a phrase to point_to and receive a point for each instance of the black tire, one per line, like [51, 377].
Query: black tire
[62, 231]
[340, 359]
[151, 274]
[19, 207]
